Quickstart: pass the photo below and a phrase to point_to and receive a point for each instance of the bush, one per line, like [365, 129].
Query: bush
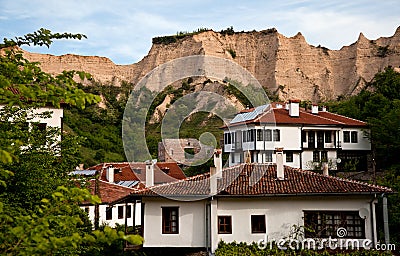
[234, 248]
[232, 52]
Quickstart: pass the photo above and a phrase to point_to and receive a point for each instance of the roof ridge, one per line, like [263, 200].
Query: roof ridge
[341, 179]
[172, 182]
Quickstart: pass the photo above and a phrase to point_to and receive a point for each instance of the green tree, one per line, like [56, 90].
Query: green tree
[379, 106]
[39, 212]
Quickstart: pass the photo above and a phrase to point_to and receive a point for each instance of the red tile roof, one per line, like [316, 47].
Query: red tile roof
[163, 172]
[281, 116]
[109, 192]
[172, 169]
[260, 180]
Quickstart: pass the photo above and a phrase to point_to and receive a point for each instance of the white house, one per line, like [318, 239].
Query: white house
[122, 214]
[38, 116]
[119, 179]
[254, 202]
[308, 137]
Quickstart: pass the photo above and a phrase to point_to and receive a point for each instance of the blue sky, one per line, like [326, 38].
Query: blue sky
[122, 30]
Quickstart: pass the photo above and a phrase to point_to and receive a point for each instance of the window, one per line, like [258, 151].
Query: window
[233, 158]
[303, 136]
[120, 212]
[109, 213]
[129, 211]
[258, 224]
[268, 156]
[224, 224]
[244, 135]
[189, 153]
[259, 135]
[326, 223]
[320, 139]
[170, 223]
[354, 137]
[289, 157]
[227, 138]
[328, 137]
[250, 135]
[277, 135]
[40, 126]
[324, 156]
[268, 135]
[311, 139]
[315, 156]
[87, 210]
[346, 136]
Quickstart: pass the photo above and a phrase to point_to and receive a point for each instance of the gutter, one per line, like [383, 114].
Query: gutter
[385, 218]
[252, 196]
[372, 217]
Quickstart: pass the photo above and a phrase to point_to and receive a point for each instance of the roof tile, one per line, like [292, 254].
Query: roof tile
[260, 180]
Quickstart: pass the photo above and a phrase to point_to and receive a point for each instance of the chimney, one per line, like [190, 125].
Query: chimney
[294, 108]
[213, 180]
[80, 166]
[323, 109]
[280, 173]
[218, 162]
[110, 174]
[278, 105]
[325, 169]
[150, 173]
[314, 109]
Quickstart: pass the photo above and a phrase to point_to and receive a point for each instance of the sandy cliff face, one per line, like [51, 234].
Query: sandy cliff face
[289, 66]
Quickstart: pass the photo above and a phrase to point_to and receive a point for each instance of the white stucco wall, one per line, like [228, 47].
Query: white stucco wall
[54, 121]
[114, 220]
[362, 144]
[282, 213]
[191, 224]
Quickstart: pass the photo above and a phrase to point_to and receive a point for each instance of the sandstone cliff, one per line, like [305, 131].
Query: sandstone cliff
[288, 66]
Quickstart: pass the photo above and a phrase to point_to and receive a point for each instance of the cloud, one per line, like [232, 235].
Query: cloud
[122, 30]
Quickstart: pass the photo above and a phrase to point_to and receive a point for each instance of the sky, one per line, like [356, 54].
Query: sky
[121, 30]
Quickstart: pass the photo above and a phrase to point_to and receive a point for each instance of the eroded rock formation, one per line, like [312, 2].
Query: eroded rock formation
[288, 66]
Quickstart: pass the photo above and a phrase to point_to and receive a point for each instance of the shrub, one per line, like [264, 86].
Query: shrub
[232, 52]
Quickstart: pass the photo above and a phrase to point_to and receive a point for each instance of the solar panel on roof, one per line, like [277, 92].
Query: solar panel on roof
[83, 172]
[242, 117]
[127, 183]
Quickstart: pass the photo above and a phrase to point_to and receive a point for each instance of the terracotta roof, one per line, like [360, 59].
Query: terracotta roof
[109, 192]
[260, 180]
[172, 169]
[281, 116]
[163, 172]
[124, 174]
[347, 120]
